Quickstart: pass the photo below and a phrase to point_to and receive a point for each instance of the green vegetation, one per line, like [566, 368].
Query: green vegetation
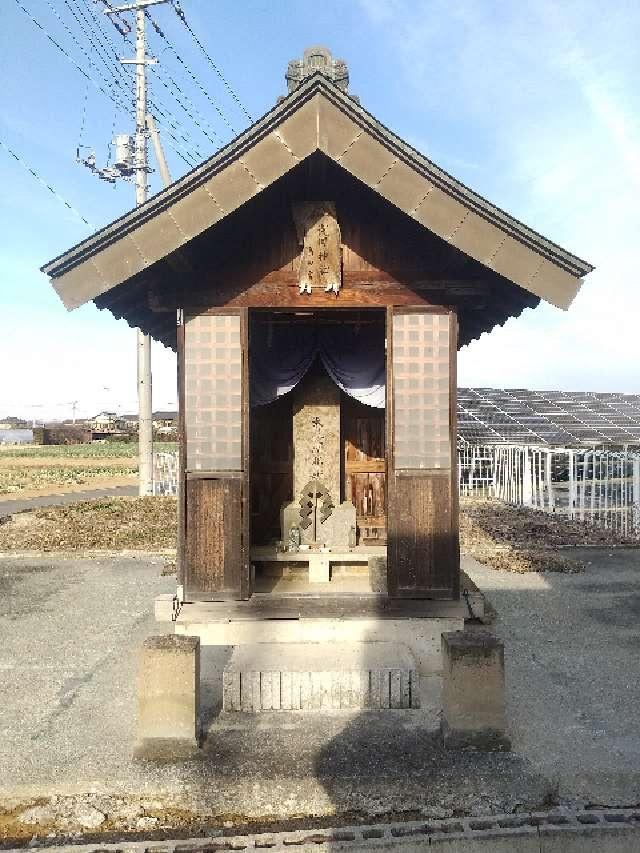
[96, 449]
[15, 478]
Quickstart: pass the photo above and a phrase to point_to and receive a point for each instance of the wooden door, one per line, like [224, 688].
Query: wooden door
[215, 452]
[214, 549]
[422, 551]
[365, 468]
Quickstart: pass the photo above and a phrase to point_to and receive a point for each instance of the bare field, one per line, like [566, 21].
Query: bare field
[34, 471]
[12, 463]
[18, 480]
[521, 539]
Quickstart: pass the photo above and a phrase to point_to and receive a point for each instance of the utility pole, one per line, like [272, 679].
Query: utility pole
[145, 407]
[157, 148]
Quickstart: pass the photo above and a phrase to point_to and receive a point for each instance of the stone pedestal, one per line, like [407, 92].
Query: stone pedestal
[319, 568]
[168, 697]
[473, 697]
[378, 574]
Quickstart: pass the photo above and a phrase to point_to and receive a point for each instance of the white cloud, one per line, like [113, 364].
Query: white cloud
[551, 103]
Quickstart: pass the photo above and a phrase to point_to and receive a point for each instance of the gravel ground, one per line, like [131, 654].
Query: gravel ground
[573, 672]
[67, 677]
[70, 629]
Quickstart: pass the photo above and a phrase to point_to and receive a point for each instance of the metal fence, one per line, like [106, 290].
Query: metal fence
[601, 487]
[165, 473]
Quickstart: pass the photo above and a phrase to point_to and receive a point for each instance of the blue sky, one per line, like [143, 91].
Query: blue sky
[536, 106]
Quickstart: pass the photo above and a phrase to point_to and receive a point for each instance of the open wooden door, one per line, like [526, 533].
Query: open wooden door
[214, 528]
[423, 548]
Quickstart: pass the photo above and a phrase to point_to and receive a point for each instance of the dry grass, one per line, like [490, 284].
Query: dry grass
[519, 539]
[146, 524]
[507, 538]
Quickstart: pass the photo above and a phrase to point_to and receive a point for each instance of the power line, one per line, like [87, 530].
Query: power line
[119, 23]
[110, 95]
[40, 180]
[180, 13]
[159, 104]
[96, 24]
[83, 120]
[69, 57]
[174, 94]
[169, 119]
[107, 82]
[186, 103]
[100, 50]
[190, 72]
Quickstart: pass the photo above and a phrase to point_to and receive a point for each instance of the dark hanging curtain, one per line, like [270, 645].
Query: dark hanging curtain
[353, 356]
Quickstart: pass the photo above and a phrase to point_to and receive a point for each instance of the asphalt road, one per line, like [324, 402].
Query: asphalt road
[10, 507]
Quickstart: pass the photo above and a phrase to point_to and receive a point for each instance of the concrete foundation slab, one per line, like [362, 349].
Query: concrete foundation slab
[421, 636]
[312, 677]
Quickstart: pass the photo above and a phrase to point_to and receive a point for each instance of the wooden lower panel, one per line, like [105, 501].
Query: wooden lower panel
[367, 493]
[423, 557]
[213, 538]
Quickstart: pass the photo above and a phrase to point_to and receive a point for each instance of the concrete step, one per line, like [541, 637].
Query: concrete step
[320, 676]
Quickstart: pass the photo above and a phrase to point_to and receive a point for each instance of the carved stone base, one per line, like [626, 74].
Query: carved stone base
[334, 532]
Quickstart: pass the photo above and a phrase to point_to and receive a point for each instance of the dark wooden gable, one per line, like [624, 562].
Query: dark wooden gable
[252, 257]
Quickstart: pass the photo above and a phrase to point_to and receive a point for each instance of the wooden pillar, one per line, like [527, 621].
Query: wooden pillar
[423, 546]
[214, 532]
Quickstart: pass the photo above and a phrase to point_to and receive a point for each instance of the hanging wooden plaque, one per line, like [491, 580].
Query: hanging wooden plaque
[319, 235]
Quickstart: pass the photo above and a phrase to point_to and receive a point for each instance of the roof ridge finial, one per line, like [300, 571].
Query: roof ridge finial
[317, 59]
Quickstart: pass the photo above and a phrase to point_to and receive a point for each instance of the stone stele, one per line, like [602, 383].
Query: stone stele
[316, 439]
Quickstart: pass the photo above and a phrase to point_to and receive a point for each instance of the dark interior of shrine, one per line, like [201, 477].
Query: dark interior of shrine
[349, 455]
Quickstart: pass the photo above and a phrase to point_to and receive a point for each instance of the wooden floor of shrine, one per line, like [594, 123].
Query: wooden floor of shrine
[309, 606]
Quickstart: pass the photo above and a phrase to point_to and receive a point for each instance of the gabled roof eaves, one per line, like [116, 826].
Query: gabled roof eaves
[413, 183]
[199, 175]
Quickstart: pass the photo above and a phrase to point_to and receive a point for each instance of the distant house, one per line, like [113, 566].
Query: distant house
[106, 422]
[129, 422]
[164, 420]
[13, 423]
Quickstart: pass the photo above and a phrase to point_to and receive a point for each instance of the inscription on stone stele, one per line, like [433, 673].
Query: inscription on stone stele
[319, 235]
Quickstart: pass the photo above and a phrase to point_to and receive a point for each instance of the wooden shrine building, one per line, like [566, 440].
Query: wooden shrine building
[316, 277]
